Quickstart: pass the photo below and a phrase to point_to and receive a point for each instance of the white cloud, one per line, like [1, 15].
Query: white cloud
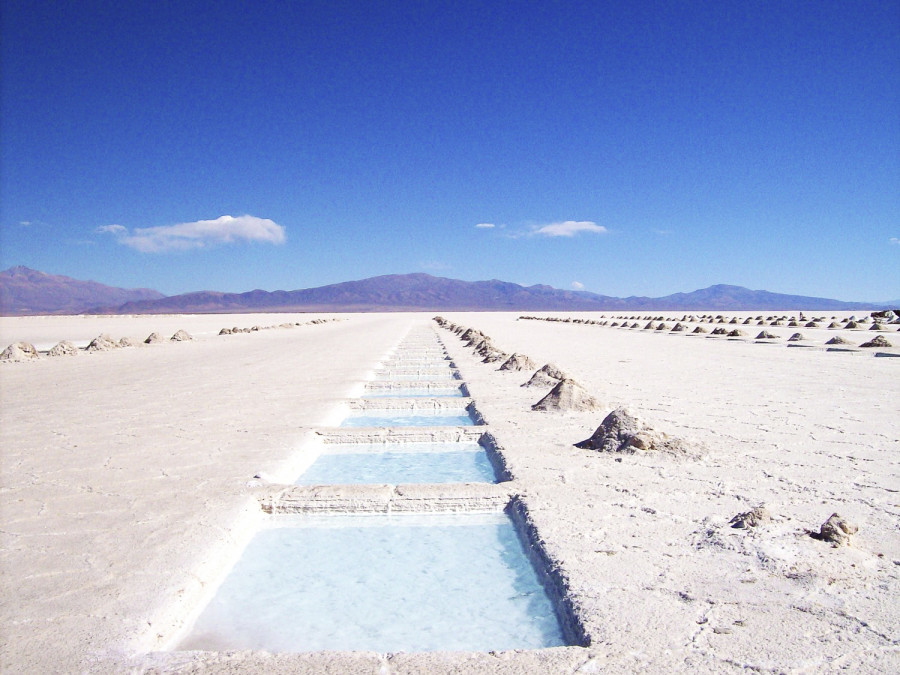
[485, 226]
[895, 240]
[663, 233]
[111, 229]
[578, 286]
[198, 234]
[569, 228]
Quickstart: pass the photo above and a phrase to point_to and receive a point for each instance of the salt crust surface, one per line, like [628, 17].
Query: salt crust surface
[126, 474]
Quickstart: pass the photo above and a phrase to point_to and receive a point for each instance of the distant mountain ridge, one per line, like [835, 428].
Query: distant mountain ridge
[423, 292]
[393, 292]
[25, 291]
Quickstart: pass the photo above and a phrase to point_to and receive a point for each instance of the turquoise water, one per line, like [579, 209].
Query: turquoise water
[404, 418]
[395, 463]
[381, 583]
[413, 392]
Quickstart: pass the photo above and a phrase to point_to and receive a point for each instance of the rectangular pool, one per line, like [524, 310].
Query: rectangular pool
[380, 583]
[395, 463]
[409, 418]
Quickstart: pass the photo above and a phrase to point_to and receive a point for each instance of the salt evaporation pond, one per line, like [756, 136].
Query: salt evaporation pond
[408, 418]
[394, 463]
[380, 583]
[409, 392]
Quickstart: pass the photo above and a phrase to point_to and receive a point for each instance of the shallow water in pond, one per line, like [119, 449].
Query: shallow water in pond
[404, 418]
[394, 463]
[413, 392]
[381, 583]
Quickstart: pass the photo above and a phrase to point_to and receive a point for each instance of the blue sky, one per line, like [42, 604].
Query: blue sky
[623, 148]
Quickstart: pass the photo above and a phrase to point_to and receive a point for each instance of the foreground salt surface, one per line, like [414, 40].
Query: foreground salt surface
[127, 475]
[381, 583]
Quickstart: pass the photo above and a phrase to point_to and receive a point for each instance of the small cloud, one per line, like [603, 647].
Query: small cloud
[24, 223]
[570, 228]
[663, 233]
[111, 229]
[578, 286]
[197, 234]
[485, 226]
[895, 240]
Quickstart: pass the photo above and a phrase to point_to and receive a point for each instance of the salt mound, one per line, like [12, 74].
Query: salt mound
[796, 337]
[836, 531]
[567, 395]
[63, 348]
[833, 325]
[838, 340]
[495, 356]
[851, 324]
[751, 518]
[102, 343]
[547, 376]
[623, 432]
[128, 342]
[720, 331]
[766, 335]
[877, 326]
[225, 331]
[811, 324]
[19, 351]
[737, 332]
[878, 341]
[153, 339]
[662, 326]
[181, 336]
[518, 362]
[699, 329]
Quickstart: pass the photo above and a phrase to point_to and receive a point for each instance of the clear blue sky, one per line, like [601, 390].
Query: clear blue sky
[627, 148]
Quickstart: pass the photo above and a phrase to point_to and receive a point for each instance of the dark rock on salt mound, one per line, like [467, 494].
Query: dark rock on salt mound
[181, 336]
[836, 531]
[518, 362]
[796, 337]
[567, 395]
[19, 351]
[623, 432]
[63, 348]
[546, 376]
[699, 329]
[102, 343]
[838, 340]
[877, 341]
[765, 335]
[737, 333]
[752, 518]
[153, 338]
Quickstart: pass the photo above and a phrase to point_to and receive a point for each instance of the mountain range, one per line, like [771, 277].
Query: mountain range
[25, 291]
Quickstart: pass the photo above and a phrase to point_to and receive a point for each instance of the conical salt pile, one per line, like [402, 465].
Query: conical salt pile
[102, 343]
[567, 395]
[19, 351]
[547, 376]
[518, 362]
[622, 432]
[153, 339]
[878, 341]
[63, 348]
[181, 336]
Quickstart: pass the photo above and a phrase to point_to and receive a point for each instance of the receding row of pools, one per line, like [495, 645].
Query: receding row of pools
[466, 581]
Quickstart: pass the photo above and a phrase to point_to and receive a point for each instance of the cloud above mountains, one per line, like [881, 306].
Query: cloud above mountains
[570, 228]
[197, 234]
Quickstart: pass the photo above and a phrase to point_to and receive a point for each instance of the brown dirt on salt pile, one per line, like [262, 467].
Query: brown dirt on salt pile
[623, 432]
[518, 362]
[547, 376]
[19, 351]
